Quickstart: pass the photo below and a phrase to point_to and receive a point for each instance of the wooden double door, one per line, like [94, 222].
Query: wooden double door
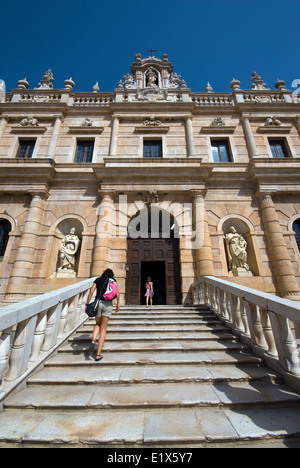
[159, 259]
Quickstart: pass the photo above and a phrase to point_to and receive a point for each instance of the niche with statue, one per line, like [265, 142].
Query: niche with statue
[239, 249]
[68, 243]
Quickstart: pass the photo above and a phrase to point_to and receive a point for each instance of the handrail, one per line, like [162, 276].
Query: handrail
[31, 330]
[269, 324]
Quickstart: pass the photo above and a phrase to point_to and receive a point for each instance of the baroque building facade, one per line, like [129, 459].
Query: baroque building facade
[152, 179]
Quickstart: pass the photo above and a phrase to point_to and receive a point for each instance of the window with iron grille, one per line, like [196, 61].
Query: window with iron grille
[152, 149]
[84, 153]
[26, 148]
[5, 228]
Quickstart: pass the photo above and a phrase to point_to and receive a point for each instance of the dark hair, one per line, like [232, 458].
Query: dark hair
[108, 273]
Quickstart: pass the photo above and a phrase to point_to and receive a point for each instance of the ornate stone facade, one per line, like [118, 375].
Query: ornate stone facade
[155, 168]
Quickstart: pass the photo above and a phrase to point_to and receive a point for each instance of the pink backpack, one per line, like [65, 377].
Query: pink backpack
[111, 290]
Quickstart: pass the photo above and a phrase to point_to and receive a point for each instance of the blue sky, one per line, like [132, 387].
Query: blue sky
[97, 40]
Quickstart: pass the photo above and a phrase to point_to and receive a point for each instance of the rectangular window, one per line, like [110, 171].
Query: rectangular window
[84, 153]
[26, 148]
[278, 149]
[152, 149]
[220, 151]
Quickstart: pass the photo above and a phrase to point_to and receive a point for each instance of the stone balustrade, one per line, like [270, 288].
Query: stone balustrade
[31, 330]
[212, 100]
[269, 324]
[104, 99]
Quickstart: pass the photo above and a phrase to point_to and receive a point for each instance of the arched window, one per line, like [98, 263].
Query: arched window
[5, 228]
[296, 229]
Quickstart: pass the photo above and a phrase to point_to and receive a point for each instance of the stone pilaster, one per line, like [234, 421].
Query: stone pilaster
[104, 230]
[26, 253]
[281, 262]
[202, 243]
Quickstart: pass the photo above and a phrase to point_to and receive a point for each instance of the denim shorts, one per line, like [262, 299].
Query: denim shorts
[105, 309]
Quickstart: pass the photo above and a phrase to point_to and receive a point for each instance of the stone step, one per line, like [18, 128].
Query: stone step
[199, 427]
[143, 345]
[160, 325]
[151, 396]
[170, 377]
[149, 335]
[140, 374]
[173, 357]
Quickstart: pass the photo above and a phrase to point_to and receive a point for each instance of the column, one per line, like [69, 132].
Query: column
[282, 266]
[104, 231]
[3, 125]
[202, 244]
[26, 253]
[54, 137]
[189, 136]
[297, 124]
[249, 137]
[113, 149]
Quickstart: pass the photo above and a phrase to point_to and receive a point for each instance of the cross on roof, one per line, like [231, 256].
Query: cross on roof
[151, 51]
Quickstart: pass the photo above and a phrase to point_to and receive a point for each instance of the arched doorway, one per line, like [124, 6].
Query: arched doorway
[153, 250]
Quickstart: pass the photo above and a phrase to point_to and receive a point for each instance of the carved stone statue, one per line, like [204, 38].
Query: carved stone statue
[67, 253]
[29, 121]
[151, 78]
[258, 82]
[272, 121]
[87, 122]
[46, 82]
[236, 250]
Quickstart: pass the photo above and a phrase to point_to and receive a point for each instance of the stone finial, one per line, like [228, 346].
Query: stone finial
[96, 88]
[235, 84]
[280, 84]
[23, 84]
[208, 88]
[69, 84]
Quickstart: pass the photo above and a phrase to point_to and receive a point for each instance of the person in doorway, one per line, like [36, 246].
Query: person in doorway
[149, 292]
[104, 312]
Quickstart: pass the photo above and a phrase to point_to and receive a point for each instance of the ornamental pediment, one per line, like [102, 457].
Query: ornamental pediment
[151, 80]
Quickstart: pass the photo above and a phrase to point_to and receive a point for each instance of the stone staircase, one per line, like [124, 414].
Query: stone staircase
[171, 377]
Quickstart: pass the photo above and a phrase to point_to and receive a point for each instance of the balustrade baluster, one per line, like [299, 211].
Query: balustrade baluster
[52, 328]
[21, 348]
[5, 345]
[285, 344]
[39, 336]
[255, 326]
[244, 317]
[64, 318]
[268, 332]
